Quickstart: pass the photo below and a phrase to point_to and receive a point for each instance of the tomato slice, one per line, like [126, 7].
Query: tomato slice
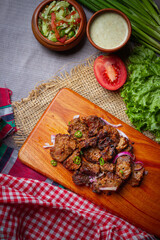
[53, 24]
[69, 15]
[62, 39]
[110, 72]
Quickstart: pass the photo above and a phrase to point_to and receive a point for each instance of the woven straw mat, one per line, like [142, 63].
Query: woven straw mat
[82, 80]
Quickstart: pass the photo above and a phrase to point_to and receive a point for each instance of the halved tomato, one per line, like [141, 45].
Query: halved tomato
[110, 72]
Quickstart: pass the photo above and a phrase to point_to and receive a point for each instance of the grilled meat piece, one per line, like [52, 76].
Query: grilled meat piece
[129, 148]
[108, 153]
[136, 176]
[104, 142]
[108, 167]
[78, 125]
[111, 132]
[90, 169]
[94, 124]
[80, 178]
[88, 142]
[92, 154]
[123, 143]
[70, 164]
[64, 146]
[123, 167]
[110, 180]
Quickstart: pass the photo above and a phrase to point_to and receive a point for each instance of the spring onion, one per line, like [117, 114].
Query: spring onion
[144, 17]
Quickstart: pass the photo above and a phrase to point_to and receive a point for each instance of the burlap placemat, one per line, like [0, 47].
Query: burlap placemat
[82, 80]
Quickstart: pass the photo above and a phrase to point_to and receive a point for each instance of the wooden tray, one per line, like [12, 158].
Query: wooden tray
[140, 205]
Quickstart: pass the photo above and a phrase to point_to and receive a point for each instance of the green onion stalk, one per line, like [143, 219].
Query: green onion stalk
[144, 16]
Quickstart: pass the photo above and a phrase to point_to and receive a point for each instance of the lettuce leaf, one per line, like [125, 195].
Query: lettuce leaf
[141, 93]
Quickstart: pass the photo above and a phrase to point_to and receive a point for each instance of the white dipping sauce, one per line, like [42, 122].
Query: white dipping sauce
[109, 30]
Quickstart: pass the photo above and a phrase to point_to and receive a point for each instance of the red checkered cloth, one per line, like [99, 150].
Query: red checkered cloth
[30, 209]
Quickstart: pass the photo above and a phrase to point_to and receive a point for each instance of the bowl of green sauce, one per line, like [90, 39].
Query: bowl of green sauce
[59, 25]
[108, 30]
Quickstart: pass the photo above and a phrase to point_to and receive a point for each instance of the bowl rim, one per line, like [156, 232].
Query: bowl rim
[46, 40]
[100, 12]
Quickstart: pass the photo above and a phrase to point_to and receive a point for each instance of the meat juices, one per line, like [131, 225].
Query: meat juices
[88, 152]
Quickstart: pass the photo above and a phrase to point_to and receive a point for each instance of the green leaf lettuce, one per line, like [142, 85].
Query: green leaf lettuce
[141, 93]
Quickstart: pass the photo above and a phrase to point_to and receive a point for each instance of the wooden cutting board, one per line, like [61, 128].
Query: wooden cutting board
[140, 205]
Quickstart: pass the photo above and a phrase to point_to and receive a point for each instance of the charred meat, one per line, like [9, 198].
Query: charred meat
[64, 147]
[90, 169]
[78, 129]
[95, 152]
[88, 142]
[94, 124]
[92, 154]
[129, 148]
[136, 176]
[108, 153]
[123, 143]
[123, 167]
[110, 182]
[104, 142]
[80, 178]
[111, 132]
[108, 167]
[73, 162]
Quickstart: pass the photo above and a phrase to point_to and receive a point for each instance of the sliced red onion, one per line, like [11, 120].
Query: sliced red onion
[123, 154]
[76, 116]
[53, 139]
[122, 134]
[48, 146]
[100, 175]
[93, 179]
[113, 125]
[139, 168]
[108, 188]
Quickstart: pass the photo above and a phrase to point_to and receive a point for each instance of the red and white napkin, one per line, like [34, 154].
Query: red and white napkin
[31, 209]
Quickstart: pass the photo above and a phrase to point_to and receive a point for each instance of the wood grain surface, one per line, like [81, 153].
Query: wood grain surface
[138, 205]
